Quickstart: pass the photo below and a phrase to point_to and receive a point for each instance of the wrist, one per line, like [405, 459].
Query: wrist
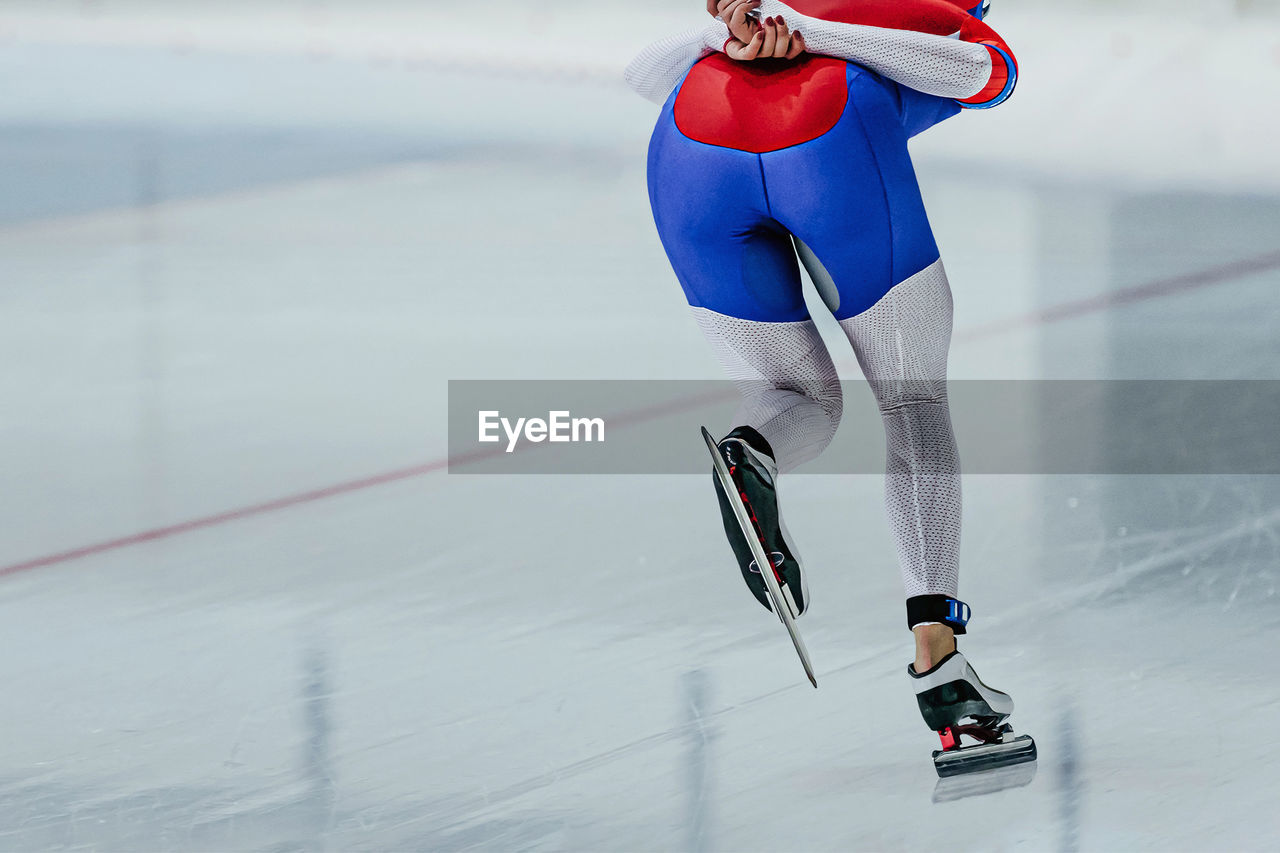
[716, 36]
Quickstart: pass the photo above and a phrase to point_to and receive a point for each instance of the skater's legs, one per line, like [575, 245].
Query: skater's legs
[851, 197]
[739, 273]
[868, 246]
[901, 343]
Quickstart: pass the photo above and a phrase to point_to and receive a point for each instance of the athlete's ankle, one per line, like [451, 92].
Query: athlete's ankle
[934, 641]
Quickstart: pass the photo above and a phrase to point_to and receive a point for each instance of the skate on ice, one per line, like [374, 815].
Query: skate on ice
[956, 704]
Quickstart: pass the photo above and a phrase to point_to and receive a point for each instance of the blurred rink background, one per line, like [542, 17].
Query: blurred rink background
[244, 605]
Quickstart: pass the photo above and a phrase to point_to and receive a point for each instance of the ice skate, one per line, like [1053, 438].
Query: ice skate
[955, 703]
[744, 464]
[754, 472]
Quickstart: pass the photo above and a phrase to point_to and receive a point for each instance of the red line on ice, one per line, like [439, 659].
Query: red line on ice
[1067, 310]
[1103, 301]
[623, 419]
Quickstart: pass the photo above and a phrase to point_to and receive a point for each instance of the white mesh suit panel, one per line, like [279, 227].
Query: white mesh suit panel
[901, 343]
[790, 389]
[659, 67]
[935, 65]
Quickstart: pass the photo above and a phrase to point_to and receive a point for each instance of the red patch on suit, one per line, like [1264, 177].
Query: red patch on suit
[763, 105]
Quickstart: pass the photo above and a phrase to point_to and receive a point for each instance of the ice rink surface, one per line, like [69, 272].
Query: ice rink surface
[245, 605]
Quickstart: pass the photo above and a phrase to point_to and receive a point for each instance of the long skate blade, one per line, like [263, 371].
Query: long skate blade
[982, 782]
[987, 756]
[780, 607]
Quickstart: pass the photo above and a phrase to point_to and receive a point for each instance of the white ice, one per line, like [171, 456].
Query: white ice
[243, 247]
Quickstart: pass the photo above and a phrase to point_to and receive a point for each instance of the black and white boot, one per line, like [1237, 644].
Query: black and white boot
[951, 692]
[956, 703]
[755, 474]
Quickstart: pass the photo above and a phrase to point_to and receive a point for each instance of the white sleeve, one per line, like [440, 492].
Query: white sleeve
[935, 65]
[659, 67]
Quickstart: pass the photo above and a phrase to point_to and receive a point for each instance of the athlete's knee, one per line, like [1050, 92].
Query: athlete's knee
[827, 394]
[918, 396]
[918, 432]
[797, 418]
[816, 400]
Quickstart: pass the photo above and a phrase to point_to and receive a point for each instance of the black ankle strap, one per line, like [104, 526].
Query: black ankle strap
[951, 612]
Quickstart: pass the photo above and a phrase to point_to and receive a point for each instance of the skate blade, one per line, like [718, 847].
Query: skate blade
[981, 782]
[987, 756]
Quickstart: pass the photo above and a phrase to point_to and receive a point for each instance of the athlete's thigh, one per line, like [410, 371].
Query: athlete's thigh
[712, 215]
[852, 198]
